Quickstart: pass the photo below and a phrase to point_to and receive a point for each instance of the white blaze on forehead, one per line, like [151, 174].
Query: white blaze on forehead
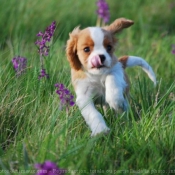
[97, 36]
[94, 61]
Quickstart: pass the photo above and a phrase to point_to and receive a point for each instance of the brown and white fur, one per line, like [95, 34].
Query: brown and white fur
[96, 71]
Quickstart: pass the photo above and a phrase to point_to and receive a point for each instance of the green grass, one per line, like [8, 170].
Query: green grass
[33, 129]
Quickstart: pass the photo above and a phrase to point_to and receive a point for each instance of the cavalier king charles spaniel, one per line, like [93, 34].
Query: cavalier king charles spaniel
[97, 74]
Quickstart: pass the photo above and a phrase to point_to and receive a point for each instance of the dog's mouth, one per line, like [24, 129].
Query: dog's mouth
[98, 67]
[97, 63]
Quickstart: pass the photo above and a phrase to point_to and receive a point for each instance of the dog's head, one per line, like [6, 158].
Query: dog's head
[92, 48]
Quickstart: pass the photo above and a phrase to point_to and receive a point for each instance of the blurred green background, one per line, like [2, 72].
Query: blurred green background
[24, 18]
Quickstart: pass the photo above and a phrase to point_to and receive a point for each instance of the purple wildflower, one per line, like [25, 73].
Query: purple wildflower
[19, 64]
[43, 74]
[66, 98]
[48, 168]
[45, 37]
[103, 10]
[43, 47]
[173, 49]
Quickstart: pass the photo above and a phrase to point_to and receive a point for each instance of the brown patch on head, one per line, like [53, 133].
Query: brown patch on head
[109, 41]
[85, 46]
[123, 60]
[109, 44]
[71, 49]
[118, 25]
[79, 47]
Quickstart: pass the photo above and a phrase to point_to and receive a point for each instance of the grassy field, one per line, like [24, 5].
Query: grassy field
[33, 129]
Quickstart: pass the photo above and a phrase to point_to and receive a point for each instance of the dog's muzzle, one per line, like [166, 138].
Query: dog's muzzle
[97, 61]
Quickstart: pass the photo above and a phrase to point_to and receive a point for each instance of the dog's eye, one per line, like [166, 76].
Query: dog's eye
[109, 48]
[87, 49]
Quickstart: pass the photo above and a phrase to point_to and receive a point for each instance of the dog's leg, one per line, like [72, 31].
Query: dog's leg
[115, 87]
[92, 117]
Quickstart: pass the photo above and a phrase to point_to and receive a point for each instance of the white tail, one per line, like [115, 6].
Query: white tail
[130, 61]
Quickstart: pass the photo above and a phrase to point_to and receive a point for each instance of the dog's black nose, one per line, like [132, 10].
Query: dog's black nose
[102, 58]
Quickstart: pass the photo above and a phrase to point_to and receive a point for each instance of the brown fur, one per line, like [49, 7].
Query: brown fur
[71, 50]
[123, 60]
[118, 25]
[84, 40]
[109, 40]
[79, 39]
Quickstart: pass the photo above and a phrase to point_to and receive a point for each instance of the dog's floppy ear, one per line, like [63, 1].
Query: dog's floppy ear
[118, 25]
[71, 49]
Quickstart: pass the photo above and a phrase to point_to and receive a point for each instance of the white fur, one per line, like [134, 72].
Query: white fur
[115, 85]
[86, 90]
[98, 36]
[110, 86]
[137, 61]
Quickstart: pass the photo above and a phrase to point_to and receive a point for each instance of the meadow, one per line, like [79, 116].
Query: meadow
[32, 127]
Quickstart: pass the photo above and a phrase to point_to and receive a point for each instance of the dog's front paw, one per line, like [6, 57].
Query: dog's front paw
[117, 103]
[101, 128]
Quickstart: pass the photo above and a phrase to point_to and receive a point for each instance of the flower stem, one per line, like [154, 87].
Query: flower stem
[41, 62]
[98, 22]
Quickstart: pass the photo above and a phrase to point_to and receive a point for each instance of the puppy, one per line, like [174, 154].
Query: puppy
[97, 73]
